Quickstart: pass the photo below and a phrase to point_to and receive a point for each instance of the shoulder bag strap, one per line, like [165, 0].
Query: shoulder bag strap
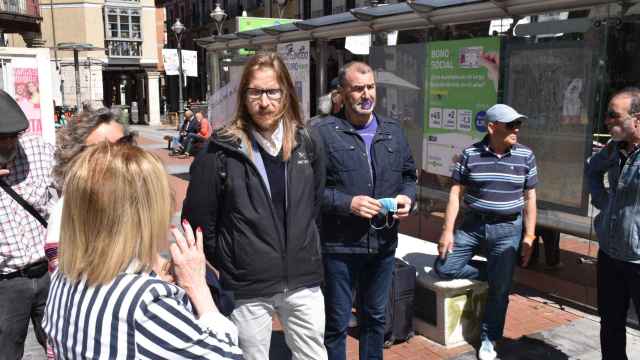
[20, 200]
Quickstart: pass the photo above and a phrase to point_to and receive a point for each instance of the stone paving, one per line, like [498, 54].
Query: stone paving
[537, 327]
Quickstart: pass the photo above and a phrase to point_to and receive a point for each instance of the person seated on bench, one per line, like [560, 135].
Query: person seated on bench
[190, 126]
[194, 142]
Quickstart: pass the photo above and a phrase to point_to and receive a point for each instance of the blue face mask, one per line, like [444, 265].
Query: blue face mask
[389, 205]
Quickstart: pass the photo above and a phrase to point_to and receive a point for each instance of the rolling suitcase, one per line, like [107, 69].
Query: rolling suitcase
[399, 312]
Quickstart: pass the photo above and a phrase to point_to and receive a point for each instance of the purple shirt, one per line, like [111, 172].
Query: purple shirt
[367, 133]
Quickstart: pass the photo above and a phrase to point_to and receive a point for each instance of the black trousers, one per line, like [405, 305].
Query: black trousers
[21, 299]
[551, 240]
[618, 282]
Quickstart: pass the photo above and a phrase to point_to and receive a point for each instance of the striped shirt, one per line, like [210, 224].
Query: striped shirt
[495, 184]
[135, 316]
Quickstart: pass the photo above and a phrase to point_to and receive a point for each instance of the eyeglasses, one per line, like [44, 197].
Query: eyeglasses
[129, 139]
[612, 114]
[256, 94]
[515, 124]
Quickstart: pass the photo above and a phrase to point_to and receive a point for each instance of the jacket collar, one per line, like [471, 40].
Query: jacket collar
[342, 124]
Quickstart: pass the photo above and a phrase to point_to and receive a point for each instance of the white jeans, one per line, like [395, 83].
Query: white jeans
[302, 316]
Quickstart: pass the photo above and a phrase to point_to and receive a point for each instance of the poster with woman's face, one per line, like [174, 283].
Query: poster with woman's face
[27, 95]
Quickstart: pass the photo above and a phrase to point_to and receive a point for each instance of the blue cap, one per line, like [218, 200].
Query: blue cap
[503, 113]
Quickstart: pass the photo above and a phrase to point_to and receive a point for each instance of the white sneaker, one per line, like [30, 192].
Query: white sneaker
[487, 351]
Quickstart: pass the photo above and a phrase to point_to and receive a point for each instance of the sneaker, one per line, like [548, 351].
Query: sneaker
[487, 351]
[175, 153]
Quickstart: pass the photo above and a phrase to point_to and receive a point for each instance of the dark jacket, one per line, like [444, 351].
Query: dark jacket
[349, 174]
[255, 255]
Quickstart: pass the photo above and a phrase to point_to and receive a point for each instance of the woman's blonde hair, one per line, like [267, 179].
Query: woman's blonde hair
[117, 208]
[290, 113]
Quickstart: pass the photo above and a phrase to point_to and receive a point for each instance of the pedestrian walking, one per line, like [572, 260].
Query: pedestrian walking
[618, 269]
[256, 192]
[370, 186]
[496, 179]
[27, 193]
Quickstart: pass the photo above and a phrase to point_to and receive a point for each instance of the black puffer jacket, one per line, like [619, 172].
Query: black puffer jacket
[243, 239]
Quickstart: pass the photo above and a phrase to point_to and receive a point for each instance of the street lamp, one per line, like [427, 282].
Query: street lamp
[219, 16]
[179, 29]
[282, 4]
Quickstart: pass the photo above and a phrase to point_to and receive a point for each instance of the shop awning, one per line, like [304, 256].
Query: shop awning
[413, 14]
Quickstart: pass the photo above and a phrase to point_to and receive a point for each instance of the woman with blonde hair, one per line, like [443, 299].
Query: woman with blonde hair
[106, 299]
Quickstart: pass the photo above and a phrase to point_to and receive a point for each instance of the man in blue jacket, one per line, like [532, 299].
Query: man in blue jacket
[370, 186]
[618, 222]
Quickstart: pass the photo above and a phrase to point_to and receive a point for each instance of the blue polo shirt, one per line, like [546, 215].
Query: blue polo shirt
[495, 184]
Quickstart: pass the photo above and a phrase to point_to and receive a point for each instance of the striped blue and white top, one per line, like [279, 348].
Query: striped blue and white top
[136, 316]
[495, 184]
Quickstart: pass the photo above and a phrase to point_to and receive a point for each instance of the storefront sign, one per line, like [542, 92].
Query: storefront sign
[296, 57]
[246, 23]
[462, 80]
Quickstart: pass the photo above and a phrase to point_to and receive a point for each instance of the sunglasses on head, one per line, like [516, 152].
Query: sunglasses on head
[129, 139]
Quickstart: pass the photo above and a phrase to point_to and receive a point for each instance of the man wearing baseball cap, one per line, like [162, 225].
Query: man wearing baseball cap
[496, 178]
[26, 193]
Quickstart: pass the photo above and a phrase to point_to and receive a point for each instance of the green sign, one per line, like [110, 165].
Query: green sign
[462, 81]
[246, 23]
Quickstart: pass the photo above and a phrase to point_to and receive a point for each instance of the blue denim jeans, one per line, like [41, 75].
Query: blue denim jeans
[372, 276]
[501, 241]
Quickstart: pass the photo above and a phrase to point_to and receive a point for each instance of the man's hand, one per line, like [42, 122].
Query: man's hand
[404, 206]
[4, 172]
[527, 248]
[445, 244]
[365, 206]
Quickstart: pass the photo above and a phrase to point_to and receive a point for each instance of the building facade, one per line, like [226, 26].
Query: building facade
[126, 70]
[22, 18]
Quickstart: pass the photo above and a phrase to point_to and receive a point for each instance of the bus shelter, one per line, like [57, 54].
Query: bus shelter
[441, 63]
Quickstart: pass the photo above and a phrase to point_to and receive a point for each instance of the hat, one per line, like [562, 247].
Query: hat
[503, 113]
[12, 120]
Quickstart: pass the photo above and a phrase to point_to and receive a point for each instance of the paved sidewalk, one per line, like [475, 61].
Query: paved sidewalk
[536, 328]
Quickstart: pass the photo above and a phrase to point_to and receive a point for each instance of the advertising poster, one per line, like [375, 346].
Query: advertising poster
[246, 23]
[296, 57]
[561, 80]
[189, 62]
[27, 92]
[222, 104]
[462, 81]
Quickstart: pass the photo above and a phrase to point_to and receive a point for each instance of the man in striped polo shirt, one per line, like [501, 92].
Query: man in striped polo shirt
[497, 178]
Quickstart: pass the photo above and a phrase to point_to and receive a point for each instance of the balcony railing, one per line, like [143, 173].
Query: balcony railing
[126, 48]
[20, 7]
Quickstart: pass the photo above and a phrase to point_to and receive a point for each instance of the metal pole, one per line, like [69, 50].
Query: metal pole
[180, 77]
[76, 64]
